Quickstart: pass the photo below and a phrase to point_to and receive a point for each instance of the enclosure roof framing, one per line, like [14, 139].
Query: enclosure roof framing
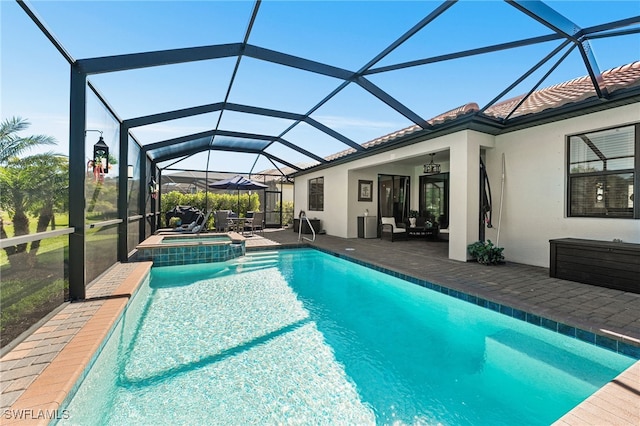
[558, 37]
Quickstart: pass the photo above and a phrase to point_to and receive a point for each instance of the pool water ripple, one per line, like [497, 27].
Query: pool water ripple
[303, 337]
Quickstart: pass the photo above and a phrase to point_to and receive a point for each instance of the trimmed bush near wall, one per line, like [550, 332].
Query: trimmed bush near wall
[486, 253]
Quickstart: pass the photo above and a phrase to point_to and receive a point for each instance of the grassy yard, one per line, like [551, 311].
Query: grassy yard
[29, 292]
[30, 287]
[46, 245]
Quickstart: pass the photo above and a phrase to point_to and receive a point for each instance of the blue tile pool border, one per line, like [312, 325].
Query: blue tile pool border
[604, 342]
[186, 254]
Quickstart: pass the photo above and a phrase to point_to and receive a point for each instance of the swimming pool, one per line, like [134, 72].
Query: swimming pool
[304, 337]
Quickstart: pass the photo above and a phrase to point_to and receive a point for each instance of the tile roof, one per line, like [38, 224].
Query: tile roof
[574, 90]
[554, 96]
[449, 115]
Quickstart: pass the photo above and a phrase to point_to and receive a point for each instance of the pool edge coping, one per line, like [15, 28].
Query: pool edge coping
[42, 400]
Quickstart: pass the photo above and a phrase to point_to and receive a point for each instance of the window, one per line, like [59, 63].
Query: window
[602, 173]
[316, 194]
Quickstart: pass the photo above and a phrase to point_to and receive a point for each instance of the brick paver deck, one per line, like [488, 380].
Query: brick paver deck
[26, 376]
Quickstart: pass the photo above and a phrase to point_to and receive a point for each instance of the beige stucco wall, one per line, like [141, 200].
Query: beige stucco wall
[534, 187]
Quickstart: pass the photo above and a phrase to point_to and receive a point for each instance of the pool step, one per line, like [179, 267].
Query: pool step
[262, 255]
[255, 261]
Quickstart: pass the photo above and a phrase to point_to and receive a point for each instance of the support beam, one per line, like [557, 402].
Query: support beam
[134, 61]
[525, 75]
[444, 6]
[297, 62]
[198, 149]
[187, 138]
[466, 53]
[45, 30]
[302, 151]
[392, 102]
[158, 219]
[142, 196]
[281, 161]
[173, 115]
[123, 192]
[345, 140]
[263, 111]
[77, 173]
[557, 22]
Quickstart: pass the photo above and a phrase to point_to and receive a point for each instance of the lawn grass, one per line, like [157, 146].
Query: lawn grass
[27, 294]
[46, 245]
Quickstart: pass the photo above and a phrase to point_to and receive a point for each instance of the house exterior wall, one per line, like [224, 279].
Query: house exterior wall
[534, 201]
[534, 207]
[335, 199]
[341, 205]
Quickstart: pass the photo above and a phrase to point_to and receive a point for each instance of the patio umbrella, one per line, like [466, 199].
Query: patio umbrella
[238, 183]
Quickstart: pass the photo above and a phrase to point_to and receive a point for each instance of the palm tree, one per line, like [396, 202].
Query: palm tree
[12, 145]
[22, 179]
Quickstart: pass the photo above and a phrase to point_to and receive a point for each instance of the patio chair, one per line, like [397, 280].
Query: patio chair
[256, 221]
[221, 219]
[197, 226]
[388, 228]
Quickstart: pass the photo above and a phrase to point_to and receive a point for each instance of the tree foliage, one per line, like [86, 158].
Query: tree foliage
[33, 185]
[13, 145]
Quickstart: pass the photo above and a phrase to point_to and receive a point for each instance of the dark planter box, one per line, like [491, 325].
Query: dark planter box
[305, 226]
[601, 263]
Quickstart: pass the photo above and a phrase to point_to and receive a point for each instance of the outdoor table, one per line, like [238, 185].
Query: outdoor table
[237, 224]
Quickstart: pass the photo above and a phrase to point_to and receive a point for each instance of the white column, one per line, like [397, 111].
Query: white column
[463, 196]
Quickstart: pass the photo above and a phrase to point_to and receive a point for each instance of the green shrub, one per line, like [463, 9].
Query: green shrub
[486, 253]
[287, 212]
[213, 202]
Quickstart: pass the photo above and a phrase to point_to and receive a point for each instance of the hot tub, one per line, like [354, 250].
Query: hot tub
[184, 249]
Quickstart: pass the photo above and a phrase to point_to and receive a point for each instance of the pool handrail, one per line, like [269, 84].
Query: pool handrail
[303, 216]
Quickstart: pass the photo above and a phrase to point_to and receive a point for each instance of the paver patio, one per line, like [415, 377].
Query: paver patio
[603, 311]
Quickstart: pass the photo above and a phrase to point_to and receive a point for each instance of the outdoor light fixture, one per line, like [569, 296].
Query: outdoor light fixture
[129, 171]
[100, 154]
[431, 168]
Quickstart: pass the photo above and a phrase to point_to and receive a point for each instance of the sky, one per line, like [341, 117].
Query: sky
[35, 77]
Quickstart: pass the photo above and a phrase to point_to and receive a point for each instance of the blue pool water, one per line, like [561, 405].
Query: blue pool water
[304, 337]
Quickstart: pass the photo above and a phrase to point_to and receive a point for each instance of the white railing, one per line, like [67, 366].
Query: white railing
[303, 216]
[23, 239]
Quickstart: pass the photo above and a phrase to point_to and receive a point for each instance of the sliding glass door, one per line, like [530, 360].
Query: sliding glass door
[434, 198]
[393, 197]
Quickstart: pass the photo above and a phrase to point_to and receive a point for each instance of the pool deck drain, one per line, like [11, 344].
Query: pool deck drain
[42, 369]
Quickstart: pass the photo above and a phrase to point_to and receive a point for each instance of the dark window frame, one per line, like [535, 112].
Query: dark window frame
[316, 196]
[572, 179]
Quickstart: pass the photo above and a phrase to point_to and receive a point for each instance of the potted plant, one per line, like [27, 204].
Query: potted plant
[413, 216]
[486, 253]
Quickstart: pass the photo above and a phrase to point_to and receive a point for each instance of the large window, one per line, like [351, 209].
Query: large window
[316, 194]
[602, 173]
